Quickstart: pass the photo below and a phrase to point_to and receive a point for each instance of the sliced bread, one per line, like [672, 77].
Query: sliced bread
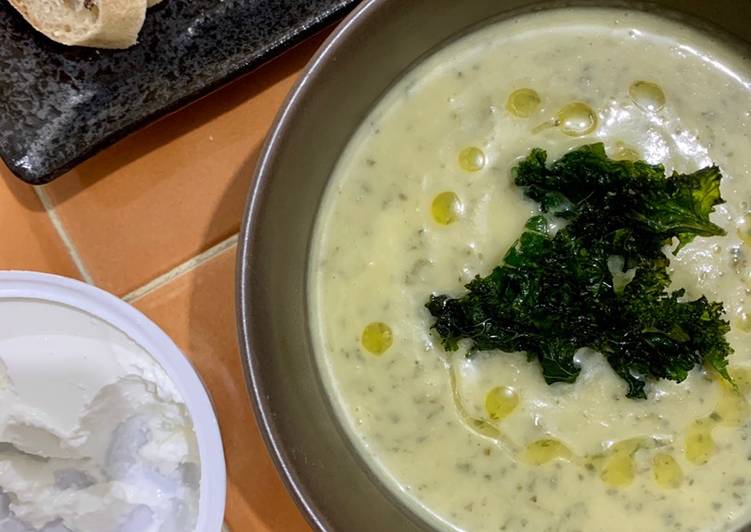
[97, 23]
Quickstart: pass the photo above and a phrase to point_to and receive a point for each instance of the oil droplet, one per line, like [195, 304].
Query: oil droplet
[471, 159]
[666, 470]
[618, 471]
[623, 152]
[446, 208]
[500, 402]
[699, 446]
[619, 467]
[743, 228]
[377, 337]
[523, 102]
[577, 119]
[732, 407]
[543, 451]
[647, 96]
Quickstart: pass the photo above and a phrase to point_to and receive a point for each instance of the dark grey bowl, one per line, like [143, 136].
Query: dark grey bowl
[359, 61]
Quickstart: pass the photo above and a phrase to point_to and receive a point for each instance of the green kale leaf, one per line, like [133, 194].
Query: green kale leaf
[559, 291]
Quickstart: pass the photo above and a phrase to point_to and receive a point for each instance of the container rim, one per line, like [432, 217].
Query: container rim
[145, 333]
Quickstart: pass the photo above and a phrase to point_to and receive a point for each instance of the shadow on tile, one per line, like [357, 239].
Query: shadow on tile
[257, 498]
[256, 491]
[23, 193]
[197, 310]
[29, 241]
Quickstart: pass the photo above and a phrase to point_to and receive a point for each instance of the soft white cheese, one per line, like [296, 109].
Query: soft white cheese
[93, 433]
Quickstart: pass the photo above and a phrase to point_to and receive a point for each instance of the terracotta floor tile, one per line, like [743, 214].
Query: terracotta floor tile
[197, 310]
[28, 240]
[177, 187]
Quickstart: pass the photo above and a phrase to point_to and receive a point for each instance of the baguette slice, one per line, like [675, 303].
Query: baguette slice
[96, 23]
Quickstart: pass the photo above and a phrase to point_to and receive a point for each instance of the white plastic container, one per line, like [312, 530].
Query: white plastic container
[122, 316]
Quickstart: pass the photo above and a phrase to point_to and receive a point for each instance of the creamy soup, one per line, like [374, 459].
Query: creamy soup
[423, 200]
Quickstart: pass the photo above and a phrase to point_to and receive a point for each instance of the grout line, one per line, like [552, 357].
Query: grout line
[181, 269]
[57, 223]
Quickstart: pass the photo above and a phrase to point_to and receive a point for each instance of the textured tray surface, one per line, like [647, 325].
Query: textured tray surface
[59, 105]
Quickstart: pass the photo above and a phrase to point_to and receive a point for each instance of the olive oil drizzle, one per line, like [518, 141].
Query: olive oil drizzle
[616, 465]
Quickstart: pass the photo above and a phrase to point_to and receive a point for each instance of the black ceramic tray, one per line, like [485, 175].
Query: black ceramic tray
[59, 105]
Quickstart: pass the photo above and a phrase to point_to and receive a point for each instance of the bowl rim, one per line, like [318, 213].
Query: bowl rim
[150, 337]
[249, 228]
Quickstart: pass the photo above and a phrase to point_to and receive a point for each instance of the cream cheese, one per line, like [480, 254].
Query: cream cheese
[94, 436]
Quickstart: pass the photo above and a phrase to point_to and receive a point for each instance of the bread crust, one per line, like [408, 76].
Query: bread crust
[117, 25]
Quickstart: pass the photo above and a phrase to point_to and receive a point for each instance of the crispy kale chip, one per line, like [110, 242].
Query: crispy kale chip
[600, 281]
